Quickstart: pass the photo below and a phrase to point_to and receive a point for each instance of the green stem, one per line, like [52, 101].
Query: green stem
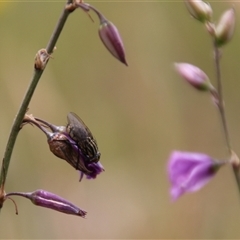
[27, 98]
[222, 111]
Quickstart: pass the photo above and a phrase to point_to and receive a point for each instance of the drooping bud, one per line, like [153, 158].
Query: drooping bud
[108, 33]
[225, 28]
[83, 155]
[63, 147]
[194, 75]
[112, 40]
[200, 10]
[46, 199]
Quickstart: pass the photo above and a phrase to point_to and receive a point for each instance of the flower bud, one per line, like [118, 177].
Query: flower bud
[112, 40]
[194, 75]
[81, 152]
[108, 33]
[200, 10]
[225, 28]
[65, 148]
[190, 171]
[46, 199]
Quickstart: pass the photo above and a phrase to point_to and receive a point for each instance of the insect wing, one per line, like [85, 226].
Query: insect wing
[81, 134]
[77, 128]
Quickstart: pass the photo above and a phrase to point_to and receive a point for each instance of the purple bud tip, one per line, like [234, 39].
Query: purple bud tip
[112, 40]
[94, 169]
[190, 171]
[46, 199]
[49, 200]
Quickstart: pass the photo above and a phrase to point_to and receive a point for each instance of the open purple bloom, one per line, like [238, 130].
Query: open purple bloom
[189, 171]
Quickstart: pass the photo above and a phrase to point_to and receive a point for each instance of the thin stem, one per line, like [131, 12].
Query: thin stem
[222, 111]
[29, 93]
[220, 97]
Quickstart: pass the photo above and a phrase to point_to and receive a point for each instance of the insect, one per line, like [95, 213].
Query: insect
[84, 139]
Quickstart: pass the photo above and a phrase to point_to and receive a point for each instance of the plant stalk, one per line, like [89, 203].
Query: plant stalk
[28, 95]
[217, 56]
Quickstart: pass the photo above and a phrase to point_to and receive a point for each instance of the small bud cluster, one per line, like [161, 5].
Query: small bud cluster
[190, 171]
[223, 31]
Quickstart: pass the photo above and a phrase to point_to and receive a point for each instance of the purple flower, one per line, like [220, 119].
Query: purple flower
[189, 172]
[46, 199]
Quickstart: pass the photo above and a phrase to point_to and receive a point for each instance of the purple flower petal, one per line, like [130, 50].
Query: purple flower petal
[189, 172]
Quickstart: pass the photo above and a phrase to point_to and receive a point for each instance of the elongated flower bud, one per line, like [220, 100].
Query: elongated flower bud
[194, 75]
[200, 10]
[225, 28]
[108, 33]
[112, 40]
[46, 199]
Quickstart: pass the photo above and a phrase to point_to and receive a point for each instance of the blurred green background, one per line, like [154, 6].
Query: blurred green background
[138, 114]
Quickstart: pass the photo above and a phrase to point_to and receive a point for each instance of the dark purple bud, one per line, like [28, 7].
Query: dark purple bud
[112, 40]
[108, 33]
[49, 200]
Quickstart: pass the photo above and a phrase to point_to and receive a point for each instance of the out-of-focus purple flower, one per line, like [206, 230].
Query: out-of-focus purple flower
[194, 75]
[225, 28]
[189, 171]
[46, 199]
